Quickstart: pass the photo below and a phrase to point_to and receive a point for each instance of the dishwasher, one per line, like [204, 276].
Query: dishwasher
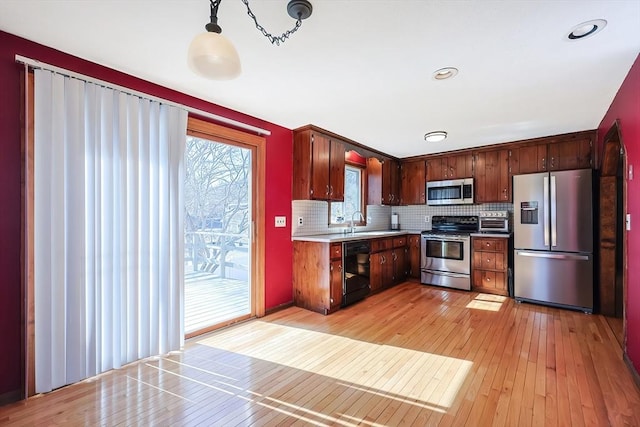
[355, 271]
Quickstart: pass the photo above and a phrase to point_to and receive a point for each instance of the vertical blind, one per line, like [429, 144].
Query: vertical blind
[108, 228]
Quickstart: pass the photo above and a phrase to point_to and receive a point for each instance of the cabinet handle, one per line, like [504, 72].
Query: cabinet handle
[330, 267]
[544, 163]
[327, 193]
[340, 267]
[488, 279]
[488, 244]
[553, 162]
[331, 190]
[395, 257]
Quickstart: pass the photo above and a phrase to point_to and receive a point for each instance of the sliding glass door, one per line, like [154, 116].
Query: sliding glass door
[218, 233]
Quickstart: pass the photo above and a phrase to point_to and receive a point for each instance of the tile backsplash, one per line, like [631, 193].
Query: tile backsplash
[315, 216]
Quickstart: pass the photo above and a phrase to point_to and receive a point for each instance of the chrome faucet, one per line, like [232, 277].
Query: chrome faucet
[353, 228]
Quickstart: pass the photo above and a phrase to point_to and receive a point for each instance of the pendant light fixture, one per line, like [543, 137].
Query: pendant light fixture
[213, 56]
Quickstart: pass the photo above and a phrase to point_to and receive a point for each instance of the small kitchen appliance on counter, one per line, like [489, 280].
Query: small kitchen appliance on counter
[494, 221]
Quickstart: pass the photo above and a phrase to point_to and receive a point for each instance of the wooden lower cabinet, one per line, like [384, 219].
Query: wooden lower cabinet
[388, 262]
[413, 250]
[490, 265]
[317, 276]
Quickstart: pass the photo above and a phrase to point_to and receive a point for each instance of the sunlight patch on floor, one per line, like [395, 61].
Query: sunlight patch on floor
[487, 302]
[425, 379]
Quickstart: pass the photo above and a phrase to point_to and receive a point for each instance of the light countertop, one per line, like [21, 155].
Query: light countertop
[362, 235]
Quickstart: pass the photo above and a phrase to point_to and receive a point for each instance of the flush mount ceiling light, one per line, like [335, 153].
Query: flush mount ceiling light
[445, 73]
[213, 56]
[435, 136]
[586, 29]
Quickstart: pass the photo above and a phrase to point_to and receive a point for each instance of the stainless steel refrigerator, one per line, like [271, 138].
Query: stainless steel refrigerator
[553, 238]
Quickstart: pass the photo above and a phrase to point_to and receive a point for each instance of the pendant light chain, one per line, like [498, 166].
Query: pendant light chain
[273, 39]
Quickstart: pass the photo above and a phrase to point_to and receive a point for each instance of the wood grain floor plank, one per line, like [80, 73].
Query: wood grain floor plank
[411, 355]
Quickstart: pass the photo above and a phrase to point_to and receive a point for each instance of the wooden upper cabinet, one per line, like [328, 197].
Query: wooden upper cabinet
[318, 166]
[412, 183]
[434, 169]
[492, 178]
[571, 154]
[383, 182]
[573, 151]
[455, 166]
[458, 166]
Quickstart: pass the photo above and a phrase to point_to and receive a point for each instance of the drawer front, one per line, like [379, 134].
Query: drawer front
[491, 245]
[400, 242]
[378, 245]
[489, 279]
[336, 251]
[489, 260]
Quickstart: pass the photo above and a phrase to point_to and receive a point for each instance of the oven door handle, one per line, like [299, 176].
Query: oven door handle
[445, 273]
[447, 239]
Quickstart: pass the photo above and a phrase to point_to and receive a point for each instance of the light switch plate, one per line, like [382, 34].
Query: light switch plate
[628, 222]
[630, 172]
[281, 221]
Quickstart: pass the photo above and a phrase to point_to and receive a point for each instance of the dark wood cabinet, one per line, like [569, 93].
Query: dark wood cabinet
[489, 269]
[573, 151]
[413, 249]
[455, 166]
[388, 262]
[317, 276]
[318, 166]
[492, 179]
[383, 182]
[413, 183]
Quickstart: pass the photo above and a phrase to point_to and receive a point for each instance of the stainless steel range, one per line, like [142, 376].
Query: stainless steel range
[446, 251]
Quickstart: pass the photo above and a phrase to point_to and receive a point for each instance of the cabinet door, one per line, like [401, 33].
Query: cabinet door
[374, 181]
[504, 176]
[387, 268]
[321, 148]
[336, 284]
[492, 183]
[399, 256]
[414, 256]
[459, 166]
[412, 183]
[573, 154]
[390, 182]
[532, 158]
[336, 171]
[434, 169]
[376, 271]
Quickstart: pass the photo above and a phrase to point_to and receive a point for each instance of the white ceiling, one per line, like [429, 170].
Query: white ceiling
[363, 69]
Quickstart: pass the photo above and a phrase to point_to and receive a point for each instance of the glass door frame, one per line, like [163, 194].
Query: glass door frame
[257, 145]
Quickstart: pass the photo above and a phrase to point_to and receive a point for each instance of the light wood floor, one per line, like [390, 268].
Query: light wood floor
[412, 355]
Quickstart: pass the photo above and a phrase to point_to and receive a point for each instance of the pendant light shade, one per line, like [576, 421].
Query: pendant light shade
[212, 55]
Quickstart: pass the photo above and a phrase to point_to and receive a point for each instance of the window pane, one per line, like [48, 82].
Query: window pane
[341, 212]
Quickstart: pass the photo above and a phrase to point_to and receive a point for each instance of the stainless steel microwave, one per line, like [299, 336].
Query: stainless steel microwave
[452, 192]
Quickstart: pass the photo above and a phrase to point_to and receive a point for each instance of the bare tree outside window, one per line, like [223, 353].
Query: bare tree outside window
[217, 204]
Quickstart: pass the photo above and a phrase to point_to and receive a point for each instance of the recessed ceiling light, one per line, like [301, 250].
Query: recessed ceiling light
[435, 136]
[586, 29]
[445, 73]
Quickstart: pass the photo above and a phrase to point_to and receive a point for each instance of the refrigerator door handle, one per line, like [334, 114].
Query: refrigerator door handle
[545, 210]
[554, 213]
[553, 256]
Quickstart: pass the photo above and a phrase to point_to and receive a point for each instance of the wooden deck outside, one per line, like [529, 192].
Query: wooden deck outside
[411, 355]
[211, 300]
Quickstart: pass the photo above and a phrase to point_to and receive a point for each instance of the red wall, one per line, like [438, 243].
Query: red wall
[279, 155]
[626, 108]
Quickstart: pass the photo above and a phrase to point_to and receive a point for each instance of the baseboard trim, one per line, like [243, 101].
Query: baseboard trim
[278, 308]
[10, 397]
[632, 369]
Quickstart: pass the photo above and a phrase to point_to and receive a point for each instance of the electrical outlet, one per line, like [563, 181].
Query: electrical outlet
[281, 221]
[426, 218]
[300, 221]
